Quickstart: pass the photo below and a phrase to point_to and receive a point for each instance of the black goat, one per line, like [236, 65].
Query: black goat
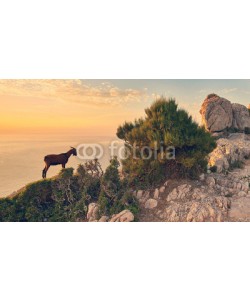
[57, 159]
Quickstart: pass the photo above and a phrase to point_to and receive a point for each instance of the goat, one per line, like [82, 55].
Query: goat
[57, 159]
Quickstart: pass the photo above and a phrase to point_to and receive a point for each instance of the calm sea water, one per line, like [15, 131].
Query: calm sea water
[21, 157]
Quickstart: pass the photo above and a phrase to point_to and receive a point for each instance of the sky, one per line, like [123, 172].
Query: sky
[98, 107]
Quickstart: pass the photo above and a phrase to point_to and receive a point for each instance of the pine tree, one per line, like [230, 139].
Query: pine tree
[165, 128]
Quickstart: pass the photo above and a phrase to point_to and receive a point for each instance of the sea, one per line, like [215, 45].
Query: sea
[22, 157]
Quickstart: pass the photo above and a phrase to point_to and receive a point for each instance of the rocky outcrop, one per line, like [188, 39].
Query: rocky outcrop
[215, 197]
[235, 149]
[93, 216]
[241, 119]
[124, 216]
[219, 114]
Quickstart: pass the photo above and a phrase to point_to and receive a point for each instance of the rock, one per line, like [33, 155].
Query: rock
[180, 192]
[242, 194]
[162, 189]
[173, 213]
[92, 214]
[229, 151]
[210, 181]
[240, 209]
[202, 177]
[222, 202]
[217, 113]
[217, 134]
[124, 216]
[198, 211]
[151, 203]
[143, 197]
[198, 194]
[156, 194]
[204, 212]
[166, 183]
[139, 194]
[241, 118]
[103, 219]
[245, 186]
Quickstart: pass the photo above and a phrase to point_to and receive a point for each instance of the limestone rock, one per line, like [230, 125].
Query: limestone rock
[156, 194]
[203, 212]
[162, 189]
[202, 177]
[240, 209]
[180, 192]
[151, 203]
[92, 213]
[217, 113]
[103, 219]
[194, 211]
[222, 202]
[210, 181]
[229, 151]
[139, 194]
[241, 118]
[173, 213]
[124, 216]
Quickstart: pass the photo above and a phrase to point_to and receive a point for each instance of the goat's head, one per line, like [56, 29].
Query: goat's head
[74, 151]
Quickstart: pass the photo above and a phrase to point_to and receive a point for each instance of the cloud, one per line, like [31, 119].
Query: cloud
[77, 91]
[228, 91]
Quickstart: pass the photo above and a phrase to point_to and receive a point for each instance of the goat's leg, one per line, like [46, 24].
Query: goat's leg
[45, 171]
[44, 174]
[63, 166]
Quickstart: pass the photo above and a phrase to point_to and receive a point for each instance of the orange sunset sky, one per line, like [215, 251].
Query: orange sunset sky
[98, 107]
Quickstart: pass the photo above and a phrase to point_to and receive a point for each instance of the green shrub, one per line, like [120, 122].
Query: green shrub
[114, 196]
[66, 197]
[165, 127]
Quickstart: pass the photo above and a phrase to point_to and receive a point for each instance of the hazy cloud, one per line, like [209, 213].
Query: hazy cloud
[228, 91]
[78, 91]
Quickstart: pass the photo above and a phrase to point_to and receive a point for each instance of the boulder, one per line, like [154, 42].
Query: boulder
[123, 216]
[217, 113]
[151, 203]
[241, 119]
